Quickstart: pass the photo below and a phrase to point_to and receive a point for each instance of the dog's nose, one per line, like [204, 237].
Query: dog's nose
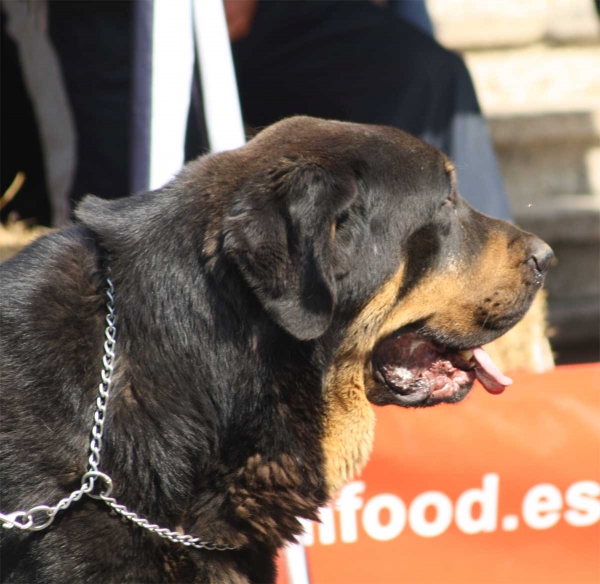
[541, 255]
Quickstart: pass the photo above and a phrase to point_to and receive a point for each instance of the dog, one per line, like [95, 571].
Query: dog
[265, 298]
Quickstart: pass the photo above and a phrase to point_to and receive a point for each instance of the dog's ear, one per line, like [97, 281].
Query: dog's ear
[279, 234]
[109, 218]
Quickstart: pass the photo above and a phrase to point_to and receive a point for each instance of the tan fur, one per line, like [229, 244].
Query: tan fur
[450, 297]
[350, 419]
[262, 487]
[449, 168]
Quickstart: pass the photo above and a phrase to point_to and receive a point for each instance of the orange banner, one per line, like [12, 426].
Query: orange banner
[497, 489]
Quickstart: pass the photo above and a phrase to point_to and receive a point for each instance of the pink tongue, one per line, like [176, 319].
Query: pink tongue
[488, 373]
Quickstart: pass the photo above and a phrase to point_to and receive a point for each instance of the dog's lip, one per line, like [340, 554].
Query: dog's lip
[421, 371]
[418, 370]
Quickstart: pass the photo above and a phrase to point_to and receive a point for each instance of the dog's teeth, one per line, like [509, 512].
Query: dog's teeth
[466, 355]
[415, 345]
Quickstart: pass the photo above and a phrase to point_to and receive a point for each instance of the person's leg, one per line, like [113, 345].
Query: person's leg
[94, 44]
[141, 96]
[22, 147]
[355, 61]
[42, 77]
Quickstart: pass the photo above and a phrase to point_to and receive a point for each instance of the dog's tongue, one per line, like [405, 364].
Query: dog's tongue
[488, 373]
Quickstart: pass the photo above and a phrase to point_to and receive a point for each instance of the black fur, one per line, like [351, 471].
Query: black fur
[232, 296]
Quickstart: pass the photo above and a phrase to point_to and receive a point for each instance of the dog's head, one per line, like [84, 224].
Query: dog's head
[356, 237]
[320, 269]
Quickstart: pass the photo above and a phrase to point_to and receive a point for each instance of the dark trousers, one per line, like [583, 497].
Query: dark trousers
[94, 44]
[359, 62]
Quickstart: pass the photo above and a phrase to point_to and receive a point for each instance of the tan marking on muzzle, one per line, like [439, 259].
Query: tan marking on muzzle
[449, 299]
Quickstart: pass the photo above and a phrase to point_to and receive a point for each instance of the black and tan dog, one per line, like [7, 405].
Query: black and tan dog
[264, 298]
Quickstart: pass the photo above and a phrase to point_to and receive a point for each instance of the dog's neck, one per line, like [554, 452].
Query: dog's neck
[206, 388]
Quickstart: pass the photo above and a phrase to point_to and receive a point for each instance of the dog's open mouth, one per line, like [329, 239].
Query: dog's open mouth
[421, 372]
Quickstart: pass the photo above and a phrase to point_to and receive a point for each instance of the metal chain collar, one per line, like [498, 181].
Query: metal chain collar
[41, 516]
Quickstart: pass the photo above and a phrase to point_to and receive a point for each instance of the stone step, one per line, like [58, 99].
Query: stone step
[543, 171]
[543, 155]
[574, 323]
[484, 24]
[571, 225]
[537, 79]
[542, 128]
[571, 219]
[543, 106]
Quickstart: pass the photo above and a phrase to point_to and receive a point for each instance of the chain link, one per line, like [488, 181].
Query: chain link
[41, 516]
[174, 536]
[108, 359]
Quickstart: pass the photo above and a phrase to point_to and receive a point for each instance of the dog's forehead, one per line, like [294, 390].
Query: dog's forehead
[385, 159]
[314, 136]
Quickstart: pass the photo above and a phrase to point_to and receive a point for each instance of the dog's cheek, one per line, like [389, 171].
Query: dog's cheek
[472, 299]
